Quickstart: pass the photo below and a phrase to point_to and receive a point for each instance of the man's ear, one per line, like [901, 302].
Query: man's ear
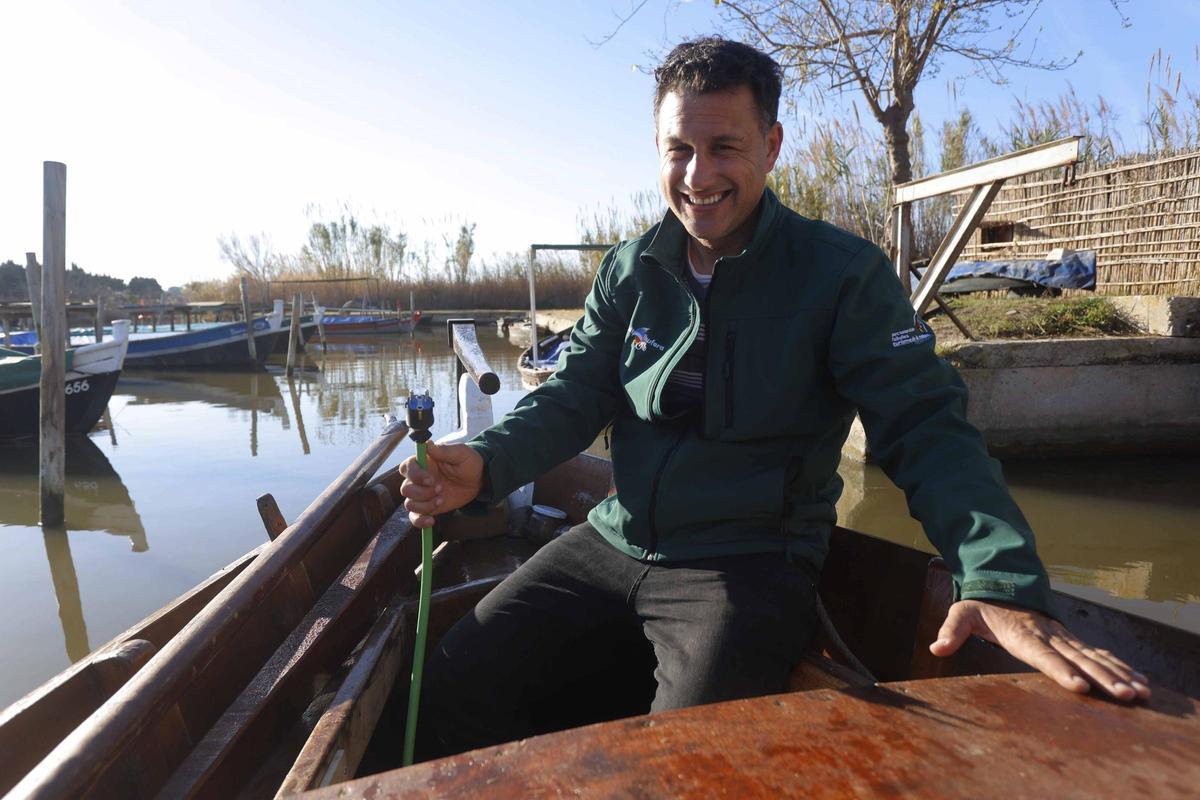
[774, 144]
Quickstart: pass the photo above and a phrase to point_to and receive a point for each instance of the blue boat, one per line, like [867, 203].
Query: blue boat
[221, 346]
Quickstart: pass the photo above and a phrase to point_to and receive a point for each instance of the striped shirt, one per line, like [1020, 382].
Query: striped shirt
[684, 391]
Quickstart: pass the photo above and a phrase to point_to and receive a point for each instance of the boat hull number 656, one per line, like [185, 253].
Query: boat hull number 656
[77, 387]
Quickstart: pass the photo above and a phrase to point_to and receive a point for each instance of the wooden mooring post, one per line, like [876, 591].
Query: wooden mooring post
[294, 333]
[319, 314]
[52, 334]
[246, 315]
[33, 279]
[99, 317]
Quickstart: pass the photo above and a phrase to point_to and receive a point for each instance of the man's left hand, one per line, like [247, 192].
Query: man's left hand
[1042, 643]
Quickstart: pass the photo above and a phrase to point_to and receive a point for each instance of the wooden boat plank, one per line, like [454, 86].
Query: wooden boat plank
[26, 725]
[32, 727]
[231, 665]
[79, 762]
[340, 738]
[246, 731]
[985, 736]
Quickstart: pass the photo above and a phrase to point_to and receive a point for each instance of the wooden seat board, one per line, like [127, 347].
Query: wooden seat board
[985, 736]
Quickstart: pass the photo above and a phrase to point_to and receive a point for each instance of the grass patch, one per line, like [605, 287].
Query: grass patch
[1035, 318]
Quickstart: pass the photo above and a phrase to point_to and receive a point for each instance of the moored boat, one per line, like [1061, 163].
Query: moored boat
[218, 346]
[91, 375]
[550, 349]
[520, 332]
[288, 671]
[356, 321]
[223, 346]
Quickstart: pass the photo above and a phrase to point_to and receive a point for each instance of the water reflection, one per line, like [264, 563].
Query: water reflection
[96, 499]
[1126, 526]
[66, 592]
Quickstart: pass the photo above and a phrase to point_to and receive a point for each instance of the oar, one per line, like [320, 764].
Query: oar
[420, 420]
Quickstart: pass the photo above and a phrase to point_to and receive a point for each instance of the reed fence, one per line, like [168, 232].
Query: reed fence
[1142, 217]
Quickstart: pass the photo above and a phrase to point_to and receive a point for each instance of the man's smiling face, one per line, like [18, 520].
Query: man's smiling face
[714, 158]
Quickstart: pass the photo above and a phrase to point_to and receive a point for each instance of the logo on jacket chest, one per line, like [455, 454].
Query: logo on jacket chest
[642, 340]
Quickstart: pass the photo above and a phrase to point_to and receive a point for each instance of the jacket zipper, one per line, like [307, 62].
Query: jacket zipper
[665, 373]
[730, 338]
[662, 467]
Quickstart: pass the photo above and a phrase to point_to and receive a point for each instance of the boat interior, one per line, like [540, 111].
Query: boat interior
[288, 670]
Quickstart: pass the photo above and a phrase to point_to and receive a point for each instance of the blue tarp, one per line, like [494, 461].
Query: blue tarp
[554, 348]
[1075, 271]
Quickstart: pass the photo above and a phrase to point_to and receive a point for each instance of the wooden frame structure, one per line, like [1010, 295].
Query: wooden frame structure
[533, 251]
[984, 181]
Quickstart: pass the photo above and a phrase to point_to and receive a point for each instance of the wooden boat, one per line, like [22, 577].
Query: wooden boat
[287, 673]
[549, 349]
[521, 333]
[349, 321]
[220, 346]
[91, 375]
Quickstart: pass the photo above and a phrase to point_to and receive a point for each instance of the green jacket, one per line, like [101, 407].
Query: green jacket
[806, 326]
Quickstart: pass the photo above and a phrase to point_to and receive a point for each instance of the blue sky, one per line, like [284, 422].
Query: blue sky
[182, 122]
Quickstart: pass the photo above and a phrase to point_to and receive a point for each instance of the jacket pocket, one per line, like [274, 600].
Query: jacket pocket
[775, 378]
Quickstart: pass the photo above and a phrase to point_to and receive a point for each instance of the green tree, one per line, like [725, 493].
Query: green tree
[12, 282]
[145, 288]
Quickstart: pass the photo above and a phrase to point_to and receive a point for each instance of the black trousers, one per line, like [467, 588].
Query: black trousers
[583, 624]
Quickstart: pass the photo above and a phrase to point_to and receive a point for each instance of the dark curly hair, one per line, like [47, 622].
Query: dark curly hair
[714, 64]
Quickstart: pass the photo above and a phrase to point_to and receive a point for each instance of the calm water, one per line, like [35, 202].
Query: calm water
[164, 496]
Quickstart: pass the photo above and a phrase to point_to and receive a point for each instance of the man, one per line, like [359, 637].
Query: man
[729, 348]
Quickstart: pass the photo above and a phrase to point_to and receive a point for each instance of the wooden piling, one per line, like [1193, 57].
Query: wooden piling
[249, 322]
[320, 320]
[294, 333]
[52, 476]
[99, 317]
[7, 332]
[33, 278]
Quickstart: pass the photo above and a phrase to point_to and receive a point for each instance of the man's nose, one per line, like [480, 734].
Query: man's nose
[698, 171]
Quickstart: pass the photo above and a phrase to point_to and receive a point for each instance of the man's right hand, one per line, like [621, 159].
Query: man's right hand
[453, 477]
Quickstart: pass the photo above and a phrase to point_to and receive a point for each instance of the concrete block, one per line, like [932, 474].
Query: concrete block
[1073, 397]
[1162, 315]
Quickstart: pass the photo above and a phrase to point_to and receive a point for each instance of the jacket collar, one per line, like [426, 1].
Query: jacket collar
[666, 248]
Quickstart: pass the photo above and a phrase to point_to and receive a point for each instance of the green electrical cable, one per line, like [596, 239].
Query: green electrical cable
[420, 419]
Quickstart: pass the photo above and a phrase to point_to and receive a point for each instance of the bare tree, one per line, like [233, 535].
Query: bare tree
[255, 259]
[883, 48]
